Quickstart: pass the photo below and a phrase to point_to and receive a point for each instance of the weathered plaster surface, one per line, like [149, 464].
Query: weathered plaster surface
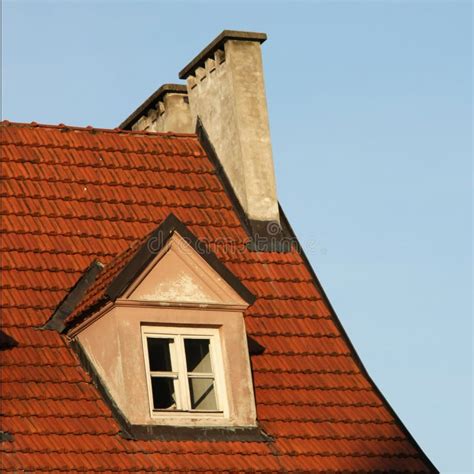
[179, 274]
[228, 95]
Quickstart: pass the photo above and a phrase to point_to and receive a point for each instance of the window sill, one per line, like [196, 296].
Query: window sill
[187, 413]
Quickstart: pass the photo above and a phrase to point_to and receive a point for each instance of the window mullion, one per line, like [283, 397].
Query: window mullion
[183, 376]
[175, 367]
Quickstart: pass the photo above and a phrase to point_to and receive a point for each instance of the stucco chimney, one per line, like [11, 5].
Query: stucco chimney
[226, 91]
[167, 110]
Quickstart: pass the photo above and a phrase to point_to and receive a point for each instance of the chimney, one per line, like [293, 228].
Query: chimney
[225, 90]
[167, 110]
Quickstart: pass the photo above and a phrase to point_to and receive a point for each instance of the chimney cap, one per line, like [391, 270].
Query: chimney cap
[150, 102]
[216, 44]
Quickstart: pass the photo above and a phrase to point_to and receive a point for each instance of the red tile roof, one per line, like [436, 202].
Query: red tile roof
[72, 195]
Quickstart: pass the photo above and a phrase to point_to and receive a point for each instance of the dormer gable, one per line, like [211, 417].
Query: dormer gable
[179, 275]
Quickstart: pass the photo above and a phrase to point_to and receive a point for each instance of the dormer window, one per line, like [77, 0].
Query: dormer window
[166, 335]
[184, 370]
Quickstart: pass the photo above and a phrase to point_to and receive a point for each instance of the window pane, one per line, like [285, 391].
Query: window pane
[198, 357]
[159, 354]
[203, 395]
[164, 397]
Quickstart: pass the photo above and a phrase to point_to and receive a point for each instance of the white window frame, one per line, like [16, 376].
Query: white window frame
[178, 360]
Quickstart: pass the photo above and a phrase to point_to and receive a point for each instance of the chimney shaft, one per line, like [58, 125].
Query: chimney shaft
[226, 91]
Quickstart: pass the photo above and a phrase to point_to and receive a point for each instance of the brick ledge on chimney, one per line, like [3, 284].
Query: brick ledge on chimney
[217, 44]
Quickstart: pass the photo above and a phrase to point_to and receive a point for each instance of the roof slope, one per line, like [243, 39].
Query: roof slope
[72, 195]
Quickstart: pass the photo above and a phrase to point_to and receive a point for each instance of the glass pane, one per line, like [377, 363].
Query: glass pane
[159, 354]
[203, 395]
[164, 397]
[198, 357]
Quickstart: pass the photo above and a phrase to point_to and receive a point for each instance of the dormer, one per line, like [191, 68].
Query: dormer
[162, 329]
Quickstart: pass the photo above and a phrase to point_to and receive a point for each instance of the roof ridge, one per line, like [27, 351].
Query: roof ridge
[91, 129]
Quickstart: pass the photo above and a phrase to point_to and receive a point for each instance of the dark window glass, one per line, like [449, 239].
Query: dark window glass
[159, 354]
[198, 357]
[164, 397]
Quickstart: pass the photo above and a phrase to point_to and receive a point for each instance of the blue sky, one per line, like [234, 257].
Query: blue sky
[370, 115]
